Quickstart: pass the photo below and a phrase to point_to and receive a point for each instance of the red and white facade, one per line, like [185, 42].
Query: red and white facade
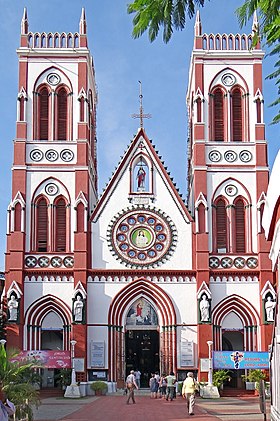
[127, 276]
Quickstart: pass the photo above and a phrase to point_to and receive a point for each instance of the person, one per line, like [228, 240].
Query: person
[204, 309]
[141, 239]
[153, 386]
[7, 408]
[269, 309]
[137, 375]
[13, 308]
[131, 385]
[171, 381]
[78, 309]
[188, 392]
[141, 174]
[162, 386]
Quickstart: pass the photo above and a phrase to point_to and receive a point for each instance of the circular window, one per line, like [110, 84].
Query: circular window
[142, 237]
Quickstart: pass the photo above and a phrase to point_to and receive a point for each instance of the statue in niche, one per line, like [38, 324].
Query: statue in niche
[204, 309]
[141, 175]
[78, 309]
[269, 309]
[13, 308]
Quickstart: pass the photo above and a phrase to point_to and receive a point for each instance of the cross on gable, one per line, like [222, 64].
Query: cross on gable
[141, 114]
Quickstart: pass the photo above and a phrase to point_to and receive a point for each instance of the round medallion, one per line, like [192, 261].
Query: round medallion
[51, 189]
[66, 155]
[231, 190]
[43, 261]
[252, 262]
[30, 261]
[230, 156]
[228, 79]
[239, 262]
[36, 155]
[142, 237]
[53, 79]
[215, 156]
[245, 156]
[68, 261]
[51, 155]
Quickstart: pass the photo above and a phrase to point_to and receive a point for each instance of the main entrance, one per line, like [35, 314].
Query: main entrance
[142, 353]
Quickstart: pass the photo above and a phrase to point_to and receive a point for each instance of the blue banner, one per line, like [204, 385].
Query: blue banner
[235, 360]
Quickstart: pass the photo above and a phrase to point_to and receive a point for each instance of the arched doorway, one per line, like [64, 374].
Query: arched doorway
[142, 340]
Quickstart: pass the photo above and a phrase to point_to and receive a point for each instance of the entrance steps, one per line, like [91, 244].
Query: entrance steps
[237, 393]
[51, 392]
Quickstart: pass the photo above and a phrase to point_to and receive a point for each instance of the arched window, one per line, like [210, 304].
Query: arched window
[42, 225]
[43, 114]
[18, 217]
[21, 109]
[240, 245]
[60, 225]
[259, 111]
[218, 112]
[237, 115]
[61, 130]
[80, 218]
[201, 218]
[221, 226]
[198, 105]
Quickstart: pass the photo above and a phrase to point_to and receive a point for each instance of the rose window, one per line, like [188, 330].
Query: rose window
[142, 238]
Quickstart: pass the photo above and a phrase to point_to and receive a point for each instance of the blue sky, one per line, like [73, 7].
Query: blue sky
[120, 62]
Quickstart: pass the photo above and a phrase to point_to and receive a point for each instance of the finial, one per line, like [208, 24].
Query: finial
[255, 26]
[197, 26]
[141, 115]
[83, 24]
[24, 23]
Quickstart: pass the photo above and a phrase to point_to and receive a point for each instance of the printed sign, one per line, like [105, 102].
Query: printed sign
[240, 360]
[48, 359]
[98, 354]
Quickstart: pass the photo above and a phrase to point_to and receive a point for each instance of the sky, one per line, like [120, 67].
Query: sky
[120, 62]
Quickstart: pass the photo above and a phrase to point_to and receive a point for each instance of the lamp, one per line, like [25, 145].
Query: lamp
[210, 372]
[73, 374]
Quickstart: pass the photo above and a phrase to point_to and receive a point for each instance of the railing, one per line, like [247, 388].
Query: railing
[56, 40]
[226, 42]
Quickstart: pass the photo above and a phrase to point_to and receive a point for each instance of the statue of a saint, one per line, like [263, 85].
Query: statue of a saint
[204, 309]
[141, 240]
[13, 309]
[269, 309]
[78, 309]
[141, 175]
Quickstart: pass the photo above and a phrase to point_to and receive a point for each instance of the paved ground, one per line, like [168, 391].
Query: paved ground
[114, 408]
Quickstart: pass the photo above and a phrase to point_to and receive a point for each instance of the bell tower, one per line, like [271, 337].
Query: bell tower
[228, 173]
[54, 180]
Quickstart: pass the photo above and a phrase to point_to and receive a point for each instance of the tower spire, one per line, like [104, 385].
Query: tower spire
[255, 26]
[24, 23]
[141, 114]
[197, 25]
[83, 23]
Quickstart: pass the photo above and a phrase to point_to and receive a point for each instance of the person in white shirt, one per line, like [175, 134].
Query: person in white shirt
[131, 385]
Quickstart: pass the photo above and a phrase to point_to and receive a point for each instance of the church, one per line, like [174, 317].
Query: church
[138, 278]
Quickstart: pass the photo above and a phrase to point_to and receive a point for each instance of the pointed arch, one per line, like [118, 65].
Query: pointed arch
[239, 234]
[60, 228]
[42, 223]
[140, 288]
[61, 117]
[218, 123]
[246, 313]
[43, 113]
[35, 315]
[141, 170]
[220, 226]
[237, 115]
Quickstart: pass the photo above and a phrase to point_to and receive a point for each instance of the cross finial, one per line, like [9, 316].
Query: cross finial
[141, 115]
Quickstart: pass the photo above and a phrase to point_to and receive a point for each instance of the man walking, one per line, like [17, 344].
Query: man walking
[131, 385]
[171, 381]
[188, 392]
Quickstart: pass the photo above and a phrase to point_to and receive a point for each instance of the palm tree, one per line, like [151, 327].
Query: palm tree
[17, 380]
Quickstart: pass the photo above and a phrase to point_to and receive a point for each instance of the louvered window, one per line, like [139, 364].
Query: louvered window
[21, 109]
[221, 226]
[82, 109]
[218, 115]
[239, 227]
[43, 114]
[18, 217]
[60, 225]
[236, 115]
[80, 217]
[198, 105]
[62, 114]
[201, 218]
[42, 225]
[259, 114]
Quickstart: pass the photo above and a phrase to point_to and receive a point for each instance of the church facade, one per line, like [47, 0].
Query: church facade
[138, 277]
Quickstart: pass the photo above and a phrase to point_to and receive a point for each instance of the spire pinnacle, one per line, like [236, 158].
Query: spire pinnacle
[141, 114]
[24, 23]
[83, 23]
[255, 26]
[197, 25]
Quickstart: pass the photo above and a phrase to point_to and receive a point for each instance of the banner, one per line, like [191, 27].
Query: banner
[235, 360]
[48, 359]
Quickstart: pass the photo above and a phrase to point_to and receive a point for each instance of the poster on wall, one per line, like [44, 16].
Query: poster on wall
[141, 313]
[187, 356]
[48, 359]
[240, 360]
[97, 356]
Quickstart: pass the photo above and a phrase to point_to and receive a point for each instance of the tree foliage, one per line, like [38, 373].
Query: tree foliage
[154, 14]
